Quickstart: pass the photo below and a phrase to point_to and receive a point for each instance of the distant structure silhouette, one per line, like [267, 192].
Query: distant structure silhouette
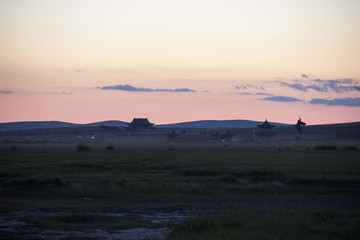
[265, 130]
[140, 125]
[299, 125]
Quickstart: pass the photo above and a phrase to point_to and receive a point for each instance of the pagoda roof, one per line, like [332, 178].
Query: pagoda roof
[140, 122]
[266, 124]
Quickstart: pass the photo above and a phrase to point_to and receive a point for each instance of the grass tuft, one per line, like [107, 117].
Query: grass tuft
[325, 147]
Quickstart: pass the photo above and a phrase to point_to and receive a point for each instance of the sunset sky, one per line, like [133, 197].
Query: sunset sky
[171, 61]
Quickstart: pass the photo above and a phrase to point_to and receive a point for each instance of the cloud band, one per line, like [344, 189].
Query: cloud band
[130, 88]
[350, 102]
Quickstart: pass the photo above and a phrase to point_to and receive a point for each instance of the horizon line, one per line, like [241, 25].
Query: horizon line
[39, 121]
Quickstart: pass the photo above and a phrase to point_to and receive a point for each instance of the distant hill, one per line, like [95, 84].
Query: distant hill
[113, 123]
[209, 124]
[13, 126]
[217, 124]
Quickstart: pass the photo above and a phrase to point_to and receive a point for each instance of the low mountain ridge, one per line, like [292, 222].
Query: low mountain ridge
[13, 126]
[111, 123]
[217, 124]
[210, 124]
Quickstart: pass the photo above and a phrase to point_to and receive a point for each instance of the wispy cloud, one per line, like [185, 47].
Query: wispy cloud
[249, 87]
[282, 99]
[36, 92]
[52, 93]
[297, 86]
[6, 92]
[350, 102]
[258, 93]
[319, 85]
[130, 88]
[64, 93]
[304, 75]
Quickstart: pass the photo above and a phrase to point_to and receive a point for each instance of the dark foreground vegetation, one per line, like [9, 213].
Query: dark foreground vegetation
[276, 224]
[162, 190]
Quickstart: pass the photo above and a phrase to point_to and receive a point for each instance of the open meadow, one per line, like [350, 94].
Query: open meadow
[144, 187]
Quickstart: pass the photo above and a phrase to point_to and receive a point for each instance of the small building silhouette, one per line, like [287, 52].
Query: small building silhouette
[265, 130]
[140, 125]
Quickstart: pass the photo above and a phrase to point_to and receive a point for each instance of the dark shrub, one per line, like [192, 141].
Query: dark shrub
[171, 149]
[110, 147]
[83, 148]
[196, 172]
[77, 218]
[229, 179]
[350, 148]
[122, 182]
[56, 182]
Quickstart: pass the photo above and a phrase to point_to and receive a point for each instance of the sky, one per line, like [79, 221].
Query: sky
[180, 60]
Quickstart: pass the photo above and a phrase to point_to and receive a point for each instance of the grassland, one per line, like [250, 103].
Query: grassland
[228, 190]
[284, 224]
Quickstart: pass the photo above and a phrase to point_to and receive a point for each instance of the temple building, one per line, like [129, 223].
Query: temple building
[140, 125]
[265, 130]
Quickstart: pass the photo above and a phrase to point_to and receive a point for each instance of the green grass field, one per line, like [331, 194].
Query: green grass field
[296, 183]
